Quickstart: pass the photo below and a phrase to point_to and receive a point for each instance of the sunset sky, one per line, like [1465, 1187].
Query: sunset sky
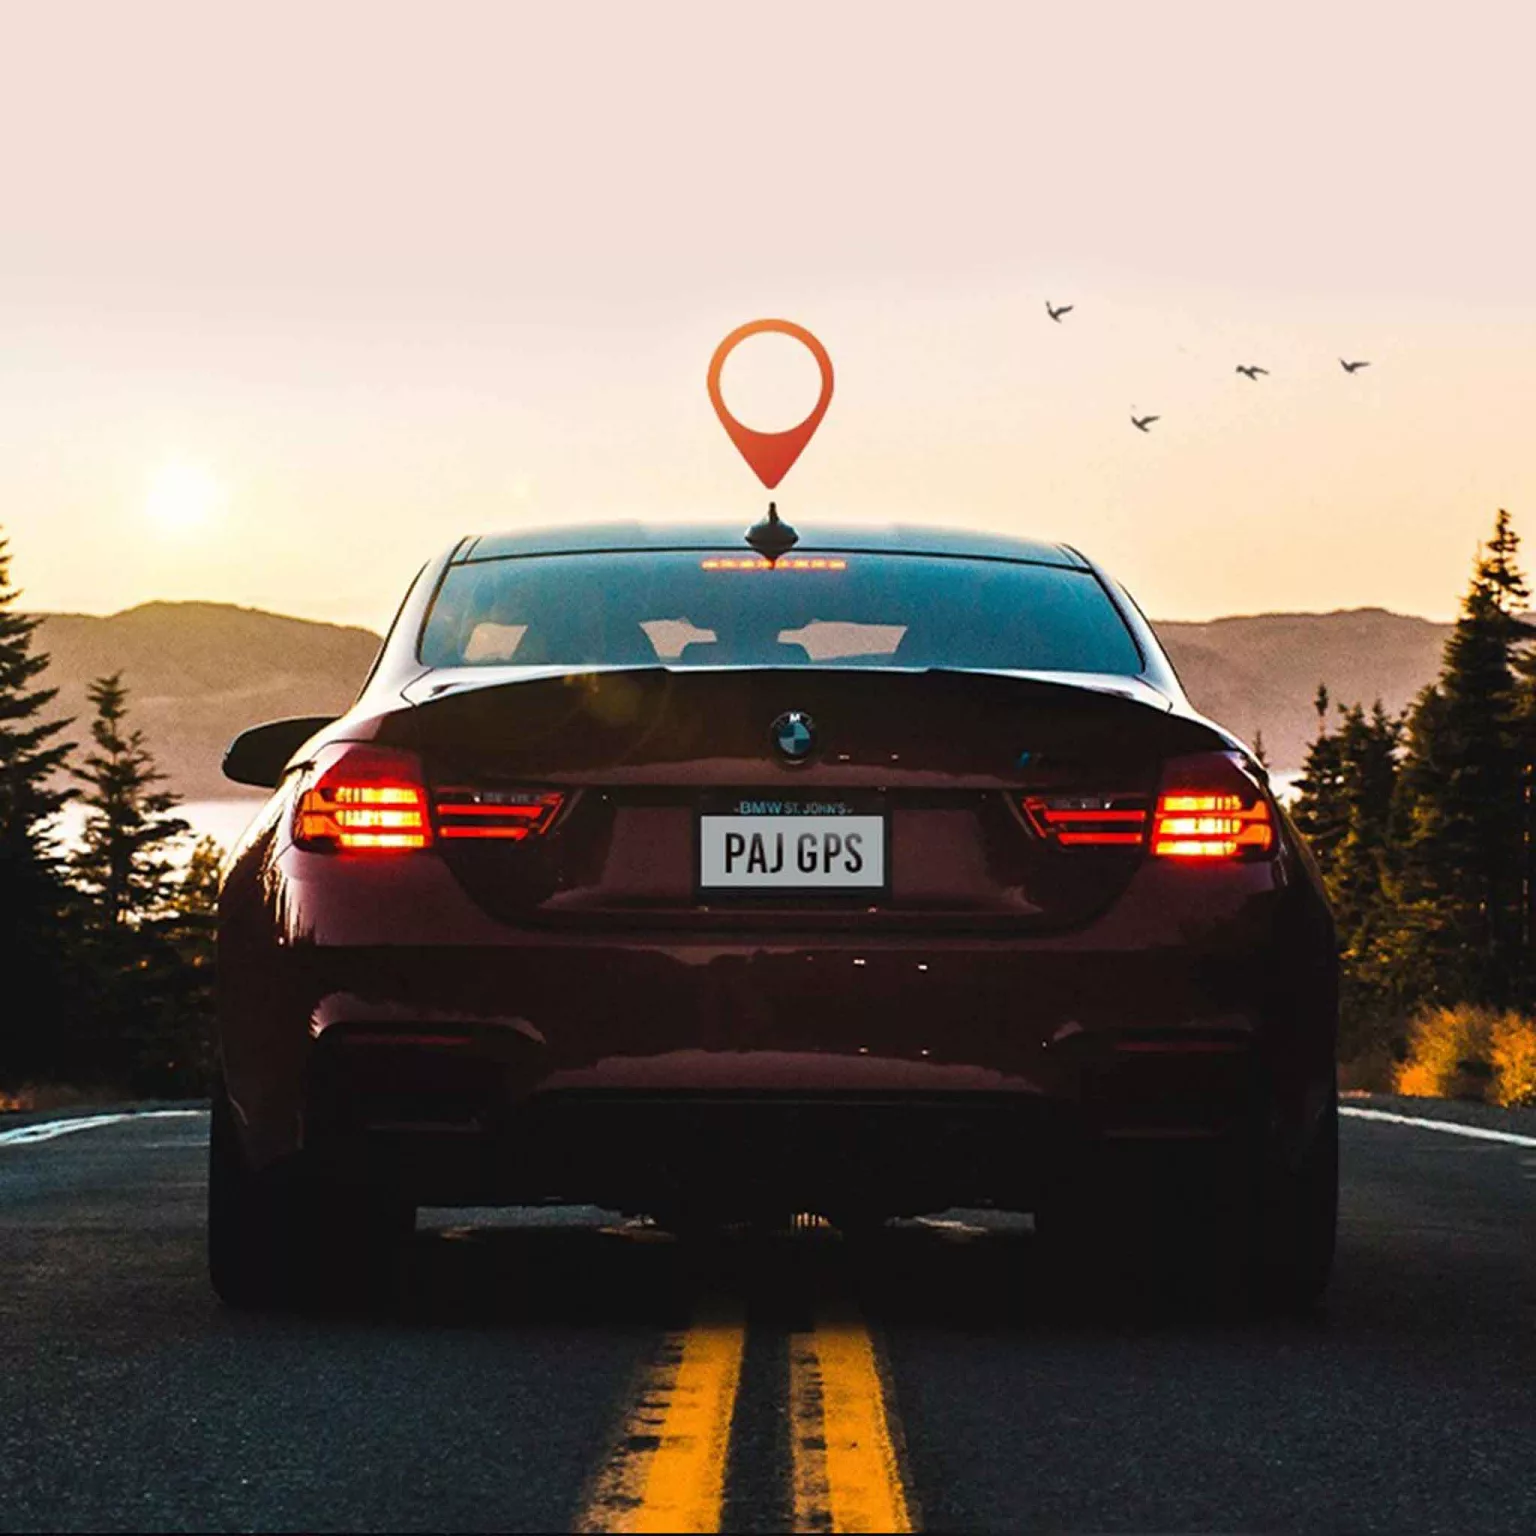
[292, 295]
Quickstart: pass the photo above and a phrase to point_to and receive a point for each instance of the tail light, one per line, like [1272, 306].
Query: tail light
[363, 799]
[1089, 821]
[511, 814]
[374, 799]
[1210, 807]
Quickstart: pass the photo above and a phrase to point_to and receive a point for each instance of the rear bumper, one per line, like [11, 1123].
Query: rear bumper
[630, 1076]
[483, 1061]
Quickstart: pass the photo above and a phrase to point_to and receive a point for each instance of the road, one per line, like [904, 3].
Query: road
[563, 1369]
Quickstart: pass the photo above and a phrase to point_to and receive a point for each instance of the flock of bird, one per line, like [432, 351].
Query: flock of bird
[1250, 371]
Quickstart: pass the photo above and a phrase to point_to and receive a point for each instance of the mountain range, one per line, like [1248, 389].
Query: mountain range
[197, 673]
[1260, 673]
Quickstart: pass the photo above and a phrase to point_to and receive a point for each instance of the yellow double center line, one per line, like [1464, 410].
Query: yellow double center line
[667, 1472]
[847, 1474]
[668, 1469]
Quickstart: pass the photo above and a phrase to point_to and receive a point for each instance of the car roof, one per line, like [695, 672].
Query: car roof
[887, 538]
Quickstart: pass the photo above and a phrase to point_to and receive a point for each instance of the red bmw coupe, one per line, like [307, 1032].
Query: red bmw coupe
[681, 873]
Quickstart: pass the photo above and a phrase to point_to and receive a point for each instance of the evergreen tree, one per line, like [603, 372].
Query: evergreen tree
[1367, 751]
[125, 865]
[1320, 809]
[1361, 884]
[1345, 806]
[128, 881]
[1462, 813]
[33, 941]
[175, 1055]
[1525, 745]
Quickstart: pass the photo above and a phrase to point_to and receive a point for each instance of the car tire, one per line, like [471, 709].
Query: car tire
[282, 1236]
[1267, 1236]
[1298, 1219]
[253, 1220]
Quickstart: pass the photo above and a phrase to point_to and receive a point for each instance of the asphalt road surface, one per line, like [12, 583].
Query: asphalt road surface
[562, 1369]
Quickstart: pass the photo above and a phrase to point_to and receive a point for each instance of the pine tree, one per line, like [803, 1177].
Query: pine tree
[128, 882]
[1320, 808]
[1347, 793]
[124, 864]
[175, 1055]
[1367, 749]
[1525, 747]
[1462, 799]
[1361, 885]
[33, 940]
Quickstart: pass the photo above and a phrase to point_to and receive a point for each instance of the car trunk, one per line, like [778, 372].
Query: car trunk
[651, 764]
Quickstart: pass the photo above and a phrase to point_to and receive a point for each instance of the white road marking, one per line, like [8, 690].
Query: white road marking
[48, 1129]
[1450, 1127]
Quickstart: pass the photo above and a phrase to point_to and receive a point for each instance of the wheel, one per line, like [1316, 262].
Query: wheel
[282, 1235]
[1258, 1229]
[253, 1221]
[1298, 1220]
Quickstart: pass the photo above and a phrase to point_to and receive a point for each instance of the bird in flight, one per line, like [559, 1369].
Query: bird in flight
[1141, 423]
[1351, 367]
[1058, 311]
[1252, 370]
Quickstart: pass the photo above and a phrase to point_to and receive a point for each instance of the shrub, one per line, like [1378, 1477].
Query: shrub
[1449, 1054]
[1369, 1071]
[1469, 1052]
[1513, 1058]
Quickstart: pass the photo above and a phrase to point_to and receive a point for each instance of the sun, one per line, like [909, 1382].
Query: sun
[182, 498]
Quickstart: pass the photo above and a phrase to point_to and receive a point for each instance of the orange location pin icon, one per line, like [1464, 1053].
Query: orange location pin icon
[770, 453]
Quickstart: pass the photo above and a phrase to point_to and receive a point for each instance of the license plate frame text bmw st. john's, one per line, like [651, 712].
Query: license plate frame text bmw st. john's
[763, 843]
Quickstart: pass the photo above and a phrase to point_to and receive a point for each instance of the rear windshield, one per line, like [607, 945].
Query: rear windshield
[708, 609]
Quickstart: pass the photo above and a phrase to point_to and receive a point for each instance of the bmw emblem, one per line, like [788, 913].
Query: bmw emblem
[794, 734]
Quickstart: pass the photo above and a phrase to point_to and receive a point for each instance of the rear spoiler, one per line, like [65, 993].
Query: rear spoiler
[443, 681]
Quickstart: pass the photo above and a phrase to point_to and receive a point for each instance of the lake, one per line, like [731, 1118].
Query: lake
[222, 820]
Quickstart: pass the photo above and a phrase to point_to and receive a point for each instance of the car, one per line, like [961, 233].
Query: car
[711, 877]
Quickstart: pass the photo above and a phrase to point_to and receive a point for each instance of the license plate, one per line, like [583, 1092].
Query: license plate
[791, 847]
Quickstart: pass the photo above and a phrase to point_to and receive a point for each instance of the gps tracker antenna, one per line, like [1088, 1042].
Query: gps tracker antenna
[771, 537]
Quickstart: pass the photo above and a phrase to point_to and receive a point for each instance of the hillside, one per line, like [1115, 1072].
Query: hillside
[200, 672]
[1262, 672]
